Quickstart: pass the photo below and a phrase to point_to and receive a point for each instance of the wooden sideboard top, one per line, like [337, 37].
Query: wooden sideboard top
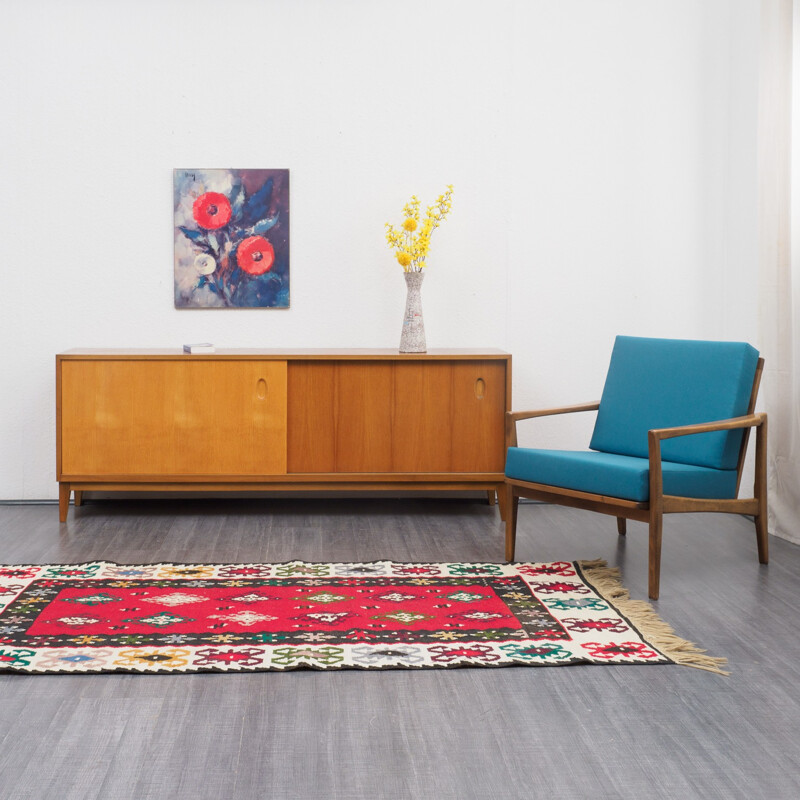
[296, 354]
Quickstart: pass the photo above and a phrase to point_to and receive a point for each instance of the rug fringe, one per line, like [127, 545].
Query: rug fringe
[606, 580]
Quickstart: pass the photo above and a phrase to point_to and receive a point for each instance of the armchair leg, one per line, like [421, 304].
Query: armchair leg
[656, 529]
[511, 508]
[760, 491]
[622, 526]
[761, 538]
[501, 500]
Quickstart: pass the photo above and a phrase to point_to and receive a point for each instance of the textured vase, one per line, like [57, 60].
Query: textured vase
[412, 338]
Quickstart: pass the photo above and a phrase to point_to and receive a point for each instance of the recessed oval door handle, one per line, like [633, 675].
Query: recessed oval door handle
[480, 388]
[261, 389]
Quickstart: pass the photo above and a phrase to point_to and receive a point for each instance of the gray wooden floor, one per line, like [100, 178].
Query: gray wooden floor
[574, 732]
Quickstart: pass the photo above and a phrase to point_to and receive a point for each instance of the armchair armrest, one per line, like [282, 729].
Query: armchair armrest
[749, 421]
[655, 436]
[512, 417]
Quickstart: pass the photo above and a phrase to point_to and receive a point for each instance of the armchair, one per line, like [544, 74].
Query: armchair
[671, 435]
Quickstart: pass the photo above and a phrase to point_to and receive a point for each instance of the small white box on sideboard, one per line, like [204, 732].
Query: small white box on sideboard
[202, 347]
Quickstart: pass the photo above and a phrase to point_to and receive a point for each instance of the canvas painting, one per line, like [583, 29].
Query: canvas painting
[231, 238]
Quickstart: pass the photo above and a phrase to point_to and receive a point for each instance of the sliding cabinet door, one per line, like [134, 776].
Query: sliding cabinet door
[173, 417]
[414, 416]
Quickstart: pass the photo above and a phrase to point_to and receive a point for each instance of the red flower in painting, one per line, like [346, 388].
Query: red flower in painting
[255, 255]
[212, 210]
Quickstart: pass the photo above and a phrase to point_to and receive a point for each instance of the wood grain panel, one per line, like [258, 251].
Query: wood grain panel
[173, 417]
[479, 404]
[311, 415]
[396, 417]
[340, 417]
[363, 408]
[423, 417]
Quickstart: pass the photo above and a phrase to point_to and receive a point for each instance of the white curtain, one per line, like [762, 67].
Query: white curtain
[779, 270]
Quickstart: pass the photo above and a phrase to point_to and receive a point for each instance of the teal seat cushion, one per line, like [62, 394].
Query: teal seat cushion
[662, 383]
[614, 475]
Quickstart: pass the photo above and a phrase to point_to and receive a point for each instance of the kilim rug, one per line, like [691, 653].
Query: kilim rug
[171, 618]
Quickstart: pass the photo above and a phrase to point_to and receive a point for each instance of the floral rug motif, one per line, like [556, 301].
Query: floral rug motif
[165, 618]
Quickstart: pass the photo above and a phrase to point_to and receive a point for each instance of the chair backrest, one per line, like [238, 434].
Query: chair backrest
[661, 383]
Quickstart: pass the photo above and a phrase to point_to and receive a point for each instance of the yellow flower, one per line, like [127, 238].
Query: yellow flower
[413, 240]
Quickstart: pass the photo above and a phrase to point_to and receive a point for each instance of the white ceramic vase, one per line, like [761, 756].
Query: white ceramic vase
[412, 337]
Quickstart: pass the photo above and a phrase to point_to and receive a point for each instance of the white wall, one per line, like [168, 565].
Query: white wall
[603, 157]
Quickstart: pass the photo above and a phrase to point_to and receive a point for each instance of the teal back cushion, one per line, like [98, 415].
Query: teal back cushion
[662, 383]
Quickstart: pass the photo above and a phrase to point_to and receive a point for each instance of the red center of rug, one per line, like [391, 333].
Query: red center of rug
[146, 609]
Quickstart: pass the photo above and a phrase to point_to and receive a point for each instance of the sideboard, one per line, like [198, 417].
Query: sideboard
[235, 420]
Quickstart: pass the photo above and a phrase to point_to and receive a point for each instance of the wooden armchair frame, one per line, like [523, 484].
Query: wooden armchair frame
[659, 504]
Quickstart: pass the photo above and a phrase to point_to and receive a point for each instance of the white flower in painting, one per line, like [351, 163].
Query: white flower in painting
[205, 264]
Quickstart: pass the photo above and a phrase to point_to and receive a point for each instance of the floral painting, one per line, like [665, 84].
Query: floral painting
[231, 238]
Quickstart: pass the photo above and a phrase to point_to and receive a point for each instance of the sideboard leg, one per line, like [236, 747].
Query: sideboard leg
[78, 495]
[63, 501]
[491, 496]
